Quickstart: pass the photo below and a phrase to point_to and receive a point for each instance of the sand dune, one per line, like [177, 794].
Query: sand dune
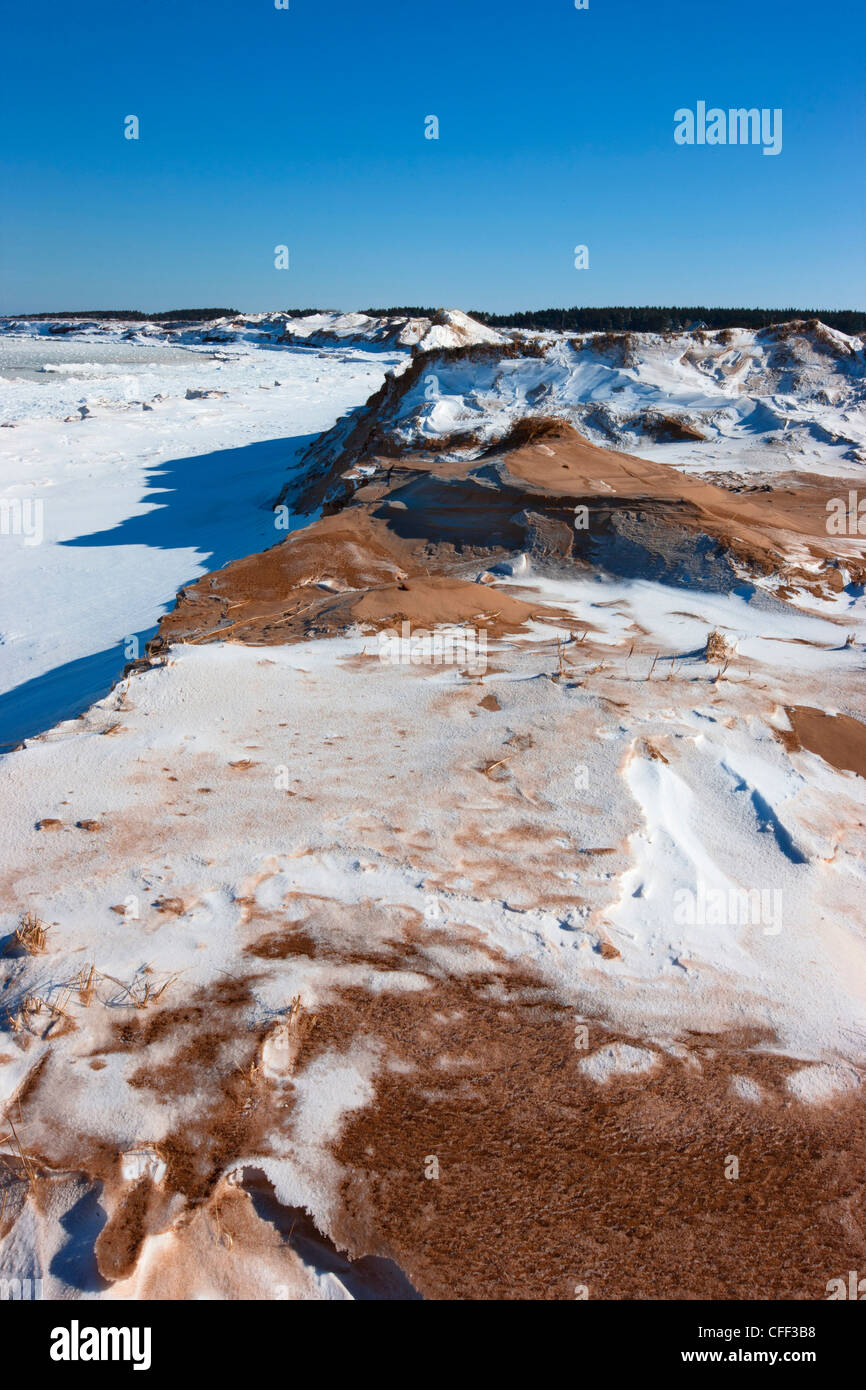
[351, 978]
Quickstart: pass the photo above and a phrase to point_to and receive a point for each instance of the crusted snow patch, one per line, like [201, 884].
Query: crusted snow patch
[328, 1090]
[816, 1085]
[618, 1058]
[140, 1163]
[385, 981]
[746, 1089]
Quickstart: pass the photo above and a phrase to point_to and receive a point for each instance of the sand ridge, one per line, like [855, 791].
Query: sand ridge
[392, 991]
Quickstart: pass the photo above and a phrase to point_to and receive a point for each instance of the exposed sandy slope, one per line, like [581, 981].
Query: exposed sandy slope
[837, 738]
[393, 991]
[372, 560]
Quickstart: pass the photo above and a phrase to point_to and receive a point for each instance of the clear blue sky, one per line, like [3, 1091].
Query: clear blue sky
[306, 127]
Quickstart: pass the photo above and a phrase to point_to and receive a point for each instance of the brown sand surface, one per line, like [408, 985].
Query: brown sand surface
[419, 524]
[837, 738]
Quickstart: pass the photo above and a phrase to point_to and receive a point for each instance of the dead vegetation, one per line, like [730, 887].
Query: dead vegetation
[141, 990]
[814, 332]
[30, 935]
[176, 907]
[667, 429]
[34, 1008]
[621, 347]
[27, 1165]
[298, 1022]
[287, 1038]
[87, 985]
[44, 1015]
[564, 664]
[718, 649]
[47, 1016]
[529, 429]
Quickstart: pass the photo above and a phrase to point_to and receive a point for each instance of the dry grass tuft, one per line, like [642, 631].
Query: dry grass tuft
[141, 991]
[529, 429]
[30, 1005]
[297, 1024]
[175, 906]
[144, 992]
[298, 1021]
[30, 934]
[35, 1007]
[87, 985]
[283, 1045]
[25, 1159]
[718, 648]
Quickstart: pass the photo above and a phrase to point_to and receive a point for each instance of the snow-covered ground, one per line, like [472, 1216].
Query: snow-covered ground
[448, 328]
[753, 400]
[247, 827]
[312, 920]
[128, 489]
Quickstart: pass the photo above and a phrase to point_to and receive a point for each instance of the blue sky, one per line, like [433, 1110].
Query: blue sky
[305, 127]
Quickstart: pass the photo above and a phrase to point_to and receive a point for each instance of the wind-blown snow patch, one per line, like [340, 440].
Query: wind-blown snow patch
[618, 1059]
[820, 1084]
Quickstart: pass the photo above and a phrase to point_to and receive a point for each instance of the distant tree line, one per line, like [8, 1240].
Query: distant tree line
[409, 311]
[656, 319]
[644, 319]
[170, 315]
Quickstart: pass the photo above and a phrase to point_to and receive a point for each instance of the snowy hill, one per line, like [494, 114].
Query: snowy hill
[790, 397]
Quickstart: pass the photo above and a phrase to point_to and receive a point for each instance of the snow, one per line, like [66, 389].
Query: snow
[135, 503]
[617, 1060]
[766, 636]
[675, 825]
[456, 329]
[447, 328]
[756, 408]
[817, 1085]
